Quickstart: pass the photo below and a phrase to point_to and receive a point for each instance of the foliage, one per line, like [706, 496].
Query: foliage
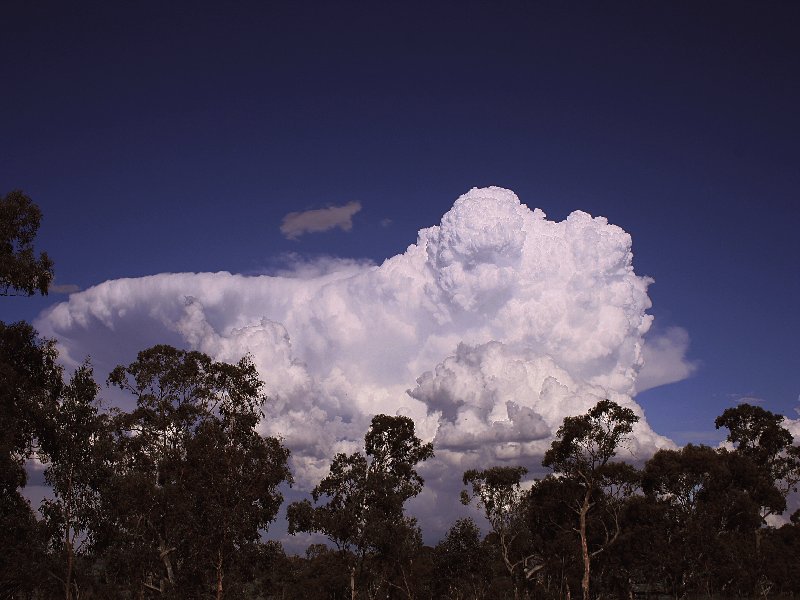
[365, 496]
[584, 444]
[461, 563]
[74, 446]
[30, 381]
[583, 447]
[21, 272]
[195, 484]
[758, 435]
[498, 493]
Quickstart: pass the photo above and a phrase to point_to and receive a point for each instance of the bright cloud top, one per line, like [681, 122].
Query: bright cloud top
[488, 331]
[296, 224]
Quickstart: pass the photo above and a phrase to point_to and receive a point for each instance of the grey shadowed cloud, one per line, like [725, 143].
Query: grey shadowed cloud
[296, 224]
[64, 288]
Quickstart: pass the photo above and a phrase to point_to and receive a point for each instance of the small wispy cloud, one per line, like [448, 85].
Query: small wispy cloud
[64, 288]
[296, 224]
[748, 398]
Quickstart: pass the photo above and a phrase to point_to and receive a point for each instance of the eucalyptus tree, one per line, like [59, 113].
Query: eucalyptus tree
[75, 447]
[195, 482]
[233, 476]
[359, 505]
[550, 519]
[461, 563]
[21, 271]
[498, 493]
[713, 500]
[759, 435]
[30, 381]
[582, 451]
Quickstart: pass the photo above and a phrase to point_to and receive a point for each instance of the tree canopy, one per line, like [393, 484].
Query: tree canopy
[359, 504]
[21, 271]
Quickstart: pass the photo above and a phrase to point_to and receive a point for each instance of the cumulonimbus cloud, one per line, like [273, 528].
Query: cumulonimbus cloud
[296, 224]
[489, 330]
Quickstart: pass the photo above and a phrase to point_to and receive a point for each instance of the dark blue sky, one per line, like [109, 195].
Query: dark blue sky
[175, 137]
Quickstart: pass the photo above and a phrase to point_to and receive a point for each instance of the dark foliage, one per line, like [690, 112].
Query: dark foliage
[21, 271]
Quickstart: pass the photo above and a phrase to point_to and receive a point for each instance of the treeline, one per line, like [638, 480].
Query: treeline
[173, 498]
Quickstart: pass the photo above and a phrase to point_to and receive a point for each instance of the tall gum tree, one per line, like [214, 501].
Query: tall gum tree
[583, 447]
[30, 381]
[497, 492]
[759, 435]
[75, 447]
[359, 505]
[196, 483]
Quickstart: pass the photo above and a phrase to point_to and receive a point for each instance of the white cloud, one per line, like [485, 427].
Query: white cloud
[296, 224]
[488, 331]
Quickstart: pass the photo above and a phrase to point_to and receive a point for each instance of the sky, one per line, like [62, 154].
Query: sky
[314, 141]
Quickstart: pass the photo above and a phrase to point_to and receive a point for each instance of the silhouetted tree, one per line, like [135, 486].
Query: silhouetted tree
[232, 479]
[30, 380]
[461, 563]
[550, 518]
[759, 435]
[75, 447]
[21, 272]
[195, 484]
[498, 493]
[583, 447]
[365, 496]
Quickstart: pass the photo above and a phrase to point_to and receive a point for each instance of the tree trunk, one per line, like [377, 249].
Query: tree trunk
[219, 575]
[585, 544]
[68, 580]
[68, 545]
[509, 565]
[164, 552]
[352, 583]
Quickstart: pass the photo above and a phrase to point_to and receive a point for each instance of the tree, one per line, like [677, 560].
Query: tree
[365, 497]
[30, 381]
[232, 478]
[583, 447]
[759, 435]
[22, 547]
[21, 272]
[498, 493]
[710, 499]
[461, 563]
[196, 484]
[75, 446]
